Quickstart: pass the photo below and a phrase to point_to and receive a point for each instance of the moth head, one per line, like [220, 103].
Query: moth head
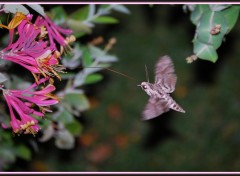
[145, 86]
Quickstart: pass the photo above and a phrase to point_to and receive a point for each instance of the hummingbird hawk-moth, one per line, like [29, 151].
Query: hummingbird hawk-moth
[165, 80]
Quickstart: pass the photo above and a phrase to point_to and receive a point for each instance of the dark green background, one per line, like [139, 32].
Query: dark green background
[206, 138]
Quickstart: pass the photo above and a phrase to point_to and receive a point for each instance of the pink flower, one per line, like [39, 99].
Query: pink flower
[55, 33]
[32, 52]
[21, 103]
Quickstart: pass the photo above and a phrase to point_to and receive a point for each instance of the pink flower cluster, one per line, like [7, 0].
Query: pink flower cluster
[21, 106]
[38, 47]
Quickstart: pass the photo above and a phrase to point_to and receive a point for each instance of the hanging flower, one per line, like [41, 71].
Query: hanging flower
[22, 102]
[55, 34]
[33, 53]
[38, 48]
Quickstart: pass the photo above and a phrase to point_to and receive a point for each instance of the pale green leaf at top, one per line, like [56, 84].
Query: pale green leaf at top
[59, 15]
[104, 6]
[219, 7]
[120, 8]
[92, 11]
[75, 128]
[38, 8]
[105, 20]
[3, 78]
[80, 14]
[206, 24]
[104, 9]
[190, 7]
[14, 8]
[198, 12]
[23, 152]
[231, 16]
[205, 51]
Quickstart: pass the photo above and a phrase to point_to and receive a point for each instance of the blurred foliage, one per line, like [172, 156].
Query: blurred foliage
[113, 138]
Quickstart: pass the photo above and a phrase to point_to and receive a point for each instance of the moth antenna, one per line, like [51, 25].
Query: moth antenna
[129, 77]
[146, 70]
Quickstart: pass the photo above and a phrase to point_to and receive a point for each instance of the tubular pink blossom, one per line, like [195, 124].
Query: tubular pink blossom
[20, 102]
[55, 33]
[32, 52]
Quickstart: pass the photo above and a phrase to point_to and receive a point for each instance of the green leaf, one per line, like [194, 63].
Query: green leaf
[104, 6]
[198, 12]
[38, 8]
[80, 14]
[3, 78]
[75, 128]
[80, 34]
[207, 23]
[95, 51]
[78, 27]
[87, 58]
[64, 140]
[59, 13]
[105, 19]
[205, 51]
[231, 16]
[6, 137]
[219, 7]
[23, 152]
[100, 55]
[65, 117]
[77, 101]
[93, 78]
[14, 8]
[122, 8]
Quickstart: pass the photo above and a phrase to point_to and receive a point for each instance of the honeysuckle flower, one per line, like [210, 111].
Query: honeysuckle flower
[55, 34]
[22, 102]
[33, 53]
[38, 47]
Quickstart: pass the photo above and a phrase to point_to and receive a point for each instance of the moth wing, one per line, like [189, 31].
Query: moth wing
[165, 74]
[154, 108]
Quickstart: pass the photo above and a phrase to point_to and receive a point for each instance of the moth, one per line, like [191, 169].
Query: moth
[160, 100]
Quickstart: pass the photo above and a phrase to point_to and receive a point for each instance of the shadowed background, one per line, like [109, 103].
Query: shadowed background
[206, 138]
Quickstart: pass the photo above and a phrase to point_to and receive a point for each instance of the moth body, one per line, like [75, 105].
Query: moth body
[160, 100]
